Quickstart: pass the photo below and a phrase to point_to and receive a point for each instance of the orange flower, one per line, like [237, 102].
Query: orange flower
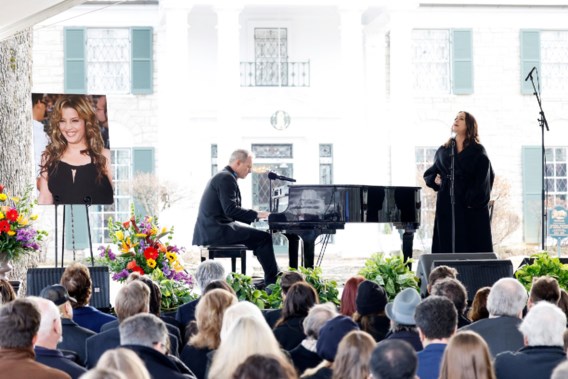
[132, 265]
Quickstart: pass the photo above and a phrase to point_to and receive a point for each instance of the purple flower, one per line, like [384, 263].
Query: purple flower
[25, 235]
[121, 275]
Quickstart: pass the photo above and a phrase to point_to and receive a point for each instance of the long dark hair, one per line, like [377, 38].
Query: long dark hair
[299, 299]
[471, 135]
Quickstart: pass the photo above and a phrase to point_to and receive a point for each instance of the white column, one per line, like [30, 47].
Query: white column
[228, 60]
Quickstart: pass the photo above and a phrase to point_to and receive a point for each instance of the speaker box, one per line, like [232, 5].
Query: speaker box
[478, 273]
[39, 278]
[426, 260]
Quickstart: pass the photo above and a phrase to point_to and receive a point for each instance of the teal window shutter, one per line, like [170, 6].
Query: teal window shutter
[76, 231]
[142, 162]
[75, 68]
[530, 57]
[462, 62]
[532, 191]
[141, 66]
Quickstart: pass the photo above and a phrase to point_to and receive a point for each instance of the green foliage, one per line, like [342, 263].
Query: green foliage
[326, 289]
[392, 273]
[174, 293]
[245, 289]
[543, 264]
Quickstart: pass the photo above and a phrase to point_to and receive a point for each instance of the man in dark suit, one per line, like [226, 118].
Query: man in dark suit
[74, 336]
[48, 335]
[543, 329]
[222, 221]
[146, 335]
[505, 304]
[132, 299]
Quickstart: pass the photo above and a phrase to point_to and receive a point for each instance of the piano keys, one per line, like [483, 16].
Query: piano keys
[307, 211]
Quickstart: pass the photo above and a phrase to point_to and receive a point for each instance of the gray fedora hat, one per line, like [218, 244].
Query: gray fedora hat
[401, 310]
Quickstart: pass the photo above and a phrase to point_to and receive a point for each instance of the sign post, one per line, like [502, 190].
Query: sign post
[558, 225]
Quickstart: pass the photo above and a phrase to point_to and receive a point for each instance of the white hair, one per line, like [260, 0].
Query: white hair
[544, 325]
[207, 272]
[317, 316]
[49, 313]
[236, 311]
[507, 297]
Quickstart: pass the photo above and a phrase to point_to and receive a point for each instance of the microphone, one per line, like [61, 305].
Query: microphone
[87, 200]
[272, 175]
[530, 74]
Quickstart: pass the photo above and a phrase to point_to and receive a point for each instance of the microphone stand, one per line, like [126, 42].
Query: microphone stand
[543, 124]
[452, 193]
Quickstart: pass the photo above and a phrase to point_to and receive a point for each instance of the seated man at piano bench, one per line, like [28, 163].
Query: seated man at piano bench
[222, 221]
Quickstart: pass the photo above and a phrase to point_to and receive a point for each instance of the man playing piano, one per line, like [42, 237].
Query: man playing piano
[222, 221]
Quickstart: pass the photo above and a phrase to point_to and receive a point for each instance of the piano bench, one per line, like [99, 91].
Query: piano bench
[227, 251]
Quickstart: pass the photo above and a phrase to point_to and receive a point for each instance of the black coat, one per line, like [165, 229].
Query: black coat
[186, 312]
[220, 207]
[529, 362]
[501, 333]
[56, 359]
[159, 365]
[473, 183]
[304, 359]
[74, 338]
[290, 333]
[271, 316]
[110, 339]
[196, 359]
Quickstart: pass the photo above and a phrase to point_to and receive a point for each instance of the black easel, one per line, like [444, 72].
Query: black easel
[542, 124]
[87, 202]
[452, 191]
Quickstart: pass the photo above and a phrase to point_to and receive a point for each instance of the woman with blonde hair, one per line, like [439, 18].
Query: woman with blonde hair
[126, 361]
[75, 166]
[353, 356]
[209, 319]
[467, 356]
[247, 336]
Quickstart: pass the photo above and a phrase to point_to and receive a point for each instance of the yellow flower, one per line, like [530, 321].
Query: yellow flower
[172, 257]
[177, 266]
[164, 230]
[153, 231]
[11, 232]
[23, 221]
[15, 199]
[3, 197]
[34, 217]
[119, 235]
[141, 235]
[1, 215]
[151, 263]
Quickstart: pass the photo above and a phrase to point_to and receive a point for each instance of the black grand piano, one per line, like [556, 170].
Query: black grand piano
[307, 211]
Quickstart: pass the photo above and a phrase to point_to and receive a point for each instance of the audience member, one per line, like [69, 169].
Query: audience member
[331, 334]
[131, 299]
[401, 313]
[454, 290]
[441, 272]
[467, 356]
[147, 336]
[436, 318]
[561, 371]
[393, 359]
[207, 271]
[155, 304]
[209, 319]
[349, 294]
[49, 333]
[39, 107]
[544, 288]
[248, 335]
[305, 356]
[478, 308]
[125, 361]
[7, 292]
[19, 323]
[370, 315]
[505, 304]
[353, 356]
[259, 366]
[543, 329]
[288, 329]
[74, 336]
[287, 279]
[77, 281]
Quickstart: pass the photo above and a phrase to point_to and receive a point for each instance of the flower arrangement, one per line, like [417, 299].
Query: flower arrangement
[17, 233]
[141, 250]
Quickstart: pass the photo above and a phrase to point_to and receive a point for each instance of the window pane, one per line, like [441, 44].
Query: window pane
[108, 60]
[549, 169]
[560, 185]
[554, 60]
[561, 169]
[431, 60]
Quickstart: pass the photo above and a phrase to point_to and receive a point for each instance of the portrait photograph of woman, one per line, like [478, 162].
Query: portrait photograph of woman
[75, 166]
